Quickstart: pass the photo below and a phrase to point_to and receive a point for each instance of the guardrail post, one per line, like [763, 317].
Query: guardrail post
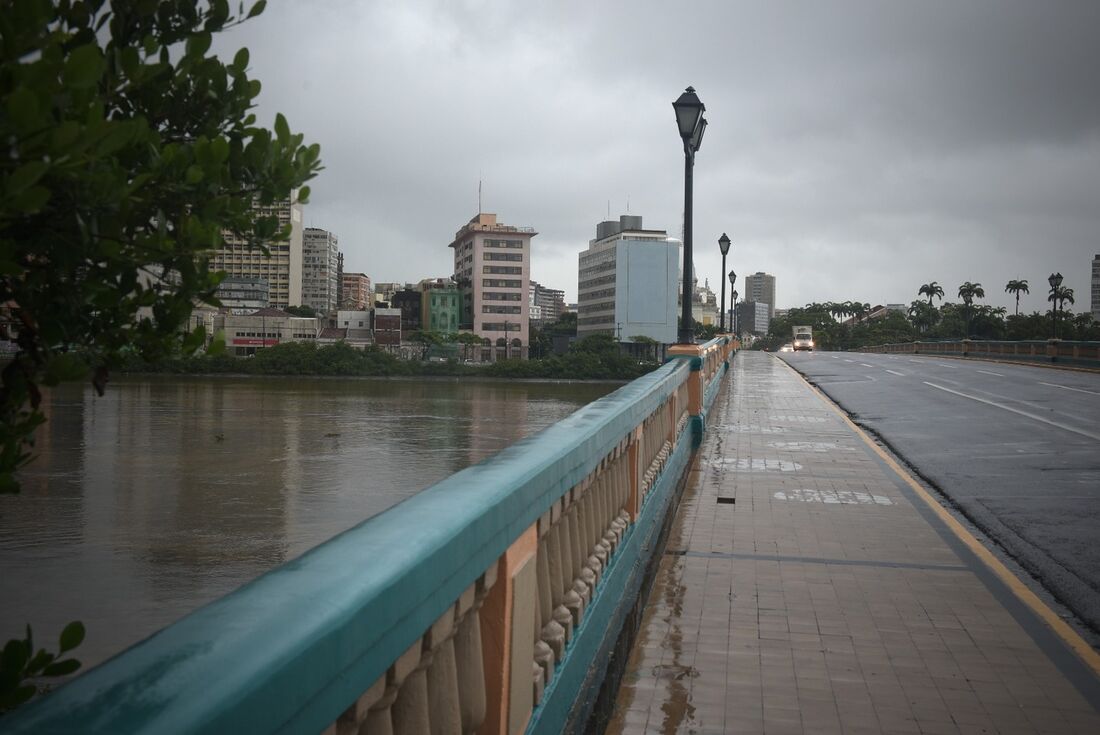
[695, 380]
[508, 635]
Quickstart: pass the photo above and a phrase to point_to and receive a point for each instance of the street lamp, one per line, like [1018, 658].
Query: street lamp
[724, 246]
[1055, 281]
[733, 316]
[689, 119]
[733, 294]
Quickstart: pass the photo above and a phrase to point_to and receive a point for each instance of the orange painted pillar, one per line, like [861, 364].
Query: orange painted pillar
[507, 638]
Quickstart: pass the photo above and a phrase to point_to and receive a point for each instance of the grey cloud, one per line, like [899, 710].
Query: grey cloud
[856, 150]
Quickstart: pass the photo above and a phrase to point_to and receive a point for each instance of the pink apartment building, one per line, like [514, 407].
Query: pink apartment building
[493, 270]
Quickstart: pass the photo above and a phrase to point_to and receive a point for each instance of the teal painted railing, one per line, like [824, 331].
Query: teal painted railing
[487, 602]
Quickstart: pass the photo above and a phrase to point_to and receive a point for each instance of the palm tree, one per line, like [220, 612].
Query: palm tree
[1059, 295]
[859, 310]
[1017, 287]
[930, 290]
[968, 292]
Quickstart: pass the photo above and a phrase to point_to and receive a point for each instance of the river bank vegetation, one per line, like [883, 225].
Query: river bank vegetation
[593, 358]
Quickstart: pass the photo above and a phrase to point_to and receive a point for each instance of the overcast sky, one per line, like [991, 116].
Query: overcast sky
[855, 150]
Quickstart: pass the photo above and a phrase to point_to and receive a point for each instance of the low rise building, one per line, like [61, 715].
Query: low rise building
[387, 327]
[246, 333]
[242, 294]
[440, 305]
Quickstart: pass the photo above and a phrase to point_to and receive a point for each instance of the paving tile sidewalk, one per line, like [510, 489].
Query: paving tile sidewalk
[805, 590]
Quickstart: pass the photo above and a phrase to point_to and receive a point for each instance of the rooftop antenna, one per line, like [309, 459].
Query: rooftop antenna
[479, 192]
[628, 204]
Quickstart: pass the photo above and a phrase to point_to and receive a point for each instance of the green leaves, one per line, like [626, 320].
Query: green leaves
[24, 177]
[84, 67]
[129, 148]
[20, 666]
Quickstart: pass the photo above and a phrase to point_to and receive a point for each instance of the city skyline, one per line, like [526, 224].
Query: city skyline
[861, 151]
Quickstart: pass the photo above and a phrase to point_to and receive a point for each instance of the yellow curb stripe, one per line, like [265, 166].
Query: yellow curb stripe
[1068, 635]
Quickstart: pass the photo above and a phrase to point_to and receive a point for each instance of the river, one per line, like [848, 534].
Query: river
[167, 493]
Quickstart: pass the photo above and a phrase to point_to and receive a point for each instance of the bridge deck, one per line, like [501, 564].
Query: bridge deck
[808, 587]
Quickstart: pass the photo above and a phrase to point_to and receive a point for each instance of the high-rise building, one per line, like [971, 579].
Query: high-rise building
[355, 292]
[627, 282]
[1096, 288]
[320, 270]
[760, 287]
[281, 268]
[492, 269]
[548, 303]
[751, 317]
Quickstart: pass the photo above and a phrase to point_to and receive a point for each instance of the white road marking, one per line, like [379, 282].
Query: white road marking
[833, 497]
[944, 364]
[1075, 430]
[849, 361]
[1079, 390]
[895, 372]
[866, 365]
[916, 361]
[990, 372]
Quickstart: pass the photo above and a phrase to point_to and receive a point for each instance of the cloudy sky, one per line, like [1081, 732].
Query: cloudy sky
[855, 150]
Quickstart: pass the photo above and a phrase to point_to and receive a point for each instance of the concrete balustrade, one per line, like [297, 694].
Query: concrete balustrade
[487, 603]
[1066, 352]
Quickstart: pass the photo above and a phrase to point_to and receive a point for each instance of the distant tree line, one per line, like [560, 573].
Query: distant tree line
[592, 358]
[845, 326]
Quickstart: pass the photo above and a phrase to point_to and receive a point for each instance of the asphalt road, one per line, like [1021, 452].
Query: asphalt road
[1015, 448]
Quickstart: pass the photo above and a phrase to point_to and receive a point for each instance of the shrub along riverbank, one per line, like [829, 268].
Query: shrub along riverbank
[587, 360]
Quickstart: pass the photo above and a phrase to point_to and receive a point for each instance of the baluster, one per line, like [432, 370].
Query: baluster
[444, 710]
[561, 614]
[571, 599]
[468, 652]
[600, 548]
[382, 716]
[582, 583]
[552, 632]
[353, 720]
[588, 523]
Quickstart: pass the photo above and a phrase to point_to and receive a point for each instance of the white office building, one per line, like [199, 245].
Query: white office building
[627, 282]
[320, 270]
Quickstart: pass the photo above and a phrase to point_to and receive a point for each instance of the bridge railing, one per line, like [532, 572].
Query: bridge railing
[488, 602]
[1053, 350]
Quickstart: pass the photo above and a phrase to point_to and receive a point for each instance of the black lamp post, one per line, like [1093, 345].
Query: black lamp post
[1055, 281]
[733, 300]
[724, 246]
[689, 119]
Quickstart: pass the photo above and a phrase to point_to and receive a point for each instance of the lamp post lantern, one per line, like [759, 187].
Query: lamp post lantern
[691, 123]
[724, 246]
[1055, 281]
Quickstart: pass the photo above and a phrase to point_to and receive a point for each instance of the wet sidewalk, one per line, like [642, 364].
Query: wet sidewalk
[807, 588]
